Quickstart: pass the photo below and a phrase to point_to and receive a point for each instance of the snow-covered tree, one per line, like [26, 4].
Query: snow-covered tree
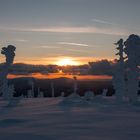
[104, 93]
[118, 77]
[30, 92]
[40, 93]
[9, 52]
[132, 49]
[75, 95]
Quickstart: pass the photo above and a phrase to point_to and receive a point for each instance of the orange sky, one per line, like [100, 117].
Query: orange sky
[53, 60]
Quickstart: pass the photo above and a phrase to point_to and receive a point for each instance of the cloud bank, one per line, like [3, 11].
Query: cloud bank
[72, 29]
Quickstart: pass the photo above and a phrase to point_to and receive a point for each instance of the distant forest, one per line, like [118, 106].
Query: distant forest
[102, 67]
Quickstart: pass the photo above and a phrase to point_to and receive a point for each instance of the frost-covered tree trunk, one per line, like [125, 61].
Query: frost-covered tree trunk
[75, 96]
[133, 83]
[132, 50]
[118, 78]
[40, 93]
[119, 83]
[31, 91]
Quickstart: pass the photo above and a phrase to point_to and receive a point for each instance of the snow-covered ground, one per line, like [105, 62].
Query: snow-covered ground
[55, 119]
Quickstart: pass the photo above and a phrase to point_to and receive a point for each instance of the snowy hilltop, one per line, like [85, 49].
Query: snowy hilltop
[89, 117]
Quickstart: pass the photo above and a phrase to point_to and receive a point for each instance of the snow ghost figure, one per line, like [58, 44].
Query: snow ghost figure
[132, 49]
[31, 91]
[74, 95]
[118, 77]
[9, 53]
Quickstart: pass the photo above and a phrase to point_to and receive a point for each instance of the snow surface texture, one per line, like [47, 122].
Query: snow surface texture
[62, 119]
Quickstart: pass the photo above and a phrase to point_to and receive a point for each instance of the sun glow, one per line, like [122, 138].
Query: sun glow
[66, 61]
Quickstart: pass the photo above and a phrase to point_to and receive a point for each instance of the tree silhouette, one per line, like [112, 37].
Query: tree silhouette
[132, 49]
[6, 90]
[9, 53]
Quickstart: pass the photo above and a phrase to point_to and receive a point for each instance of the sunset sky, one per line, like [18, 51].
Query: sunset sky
[47, 31]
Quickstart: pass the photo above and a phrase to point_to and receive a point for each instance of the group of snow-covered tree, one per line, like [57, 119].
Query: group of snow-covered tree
[125, 78]
[126, 75]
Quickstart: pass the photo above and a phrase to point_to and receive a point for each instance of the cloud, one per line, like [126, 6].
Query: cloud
[74, 44]
[21, 40]
[49, 47]
[102, 21]
[84, 29]
[78, 45]
[79, 51]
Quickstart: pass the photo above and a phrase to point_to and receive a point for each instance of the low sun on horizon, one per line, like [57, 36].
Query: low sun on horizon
[66, 61]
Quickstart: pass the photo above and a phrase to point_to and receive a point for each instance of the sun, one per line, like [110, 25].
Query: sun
[66, 61]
